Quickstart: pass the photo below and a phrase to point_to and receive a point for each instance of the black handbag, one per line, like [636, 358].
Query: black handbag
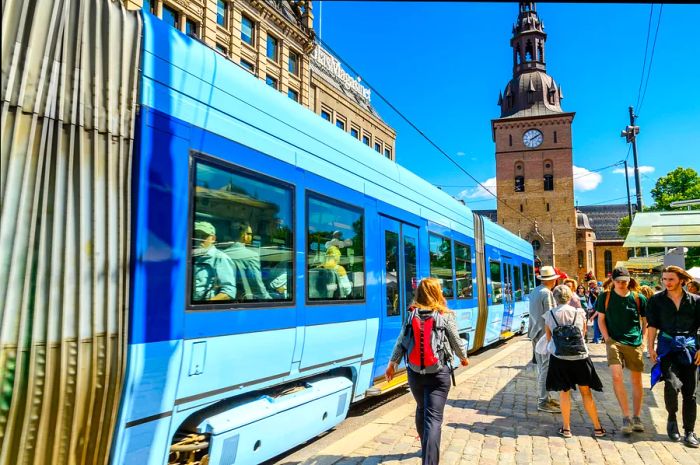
[568, 340]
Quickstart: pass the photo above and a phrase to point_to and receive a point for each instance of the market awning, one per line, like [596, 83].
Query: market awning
[642, 263]
[665, 229]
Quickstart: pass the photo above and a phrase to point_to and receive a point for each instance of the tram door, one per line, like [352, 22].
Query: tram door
[399, 281]
[508, 301]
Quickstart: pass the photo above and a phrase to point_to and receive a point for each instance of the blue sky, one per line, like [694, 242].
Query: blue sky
[443, 64]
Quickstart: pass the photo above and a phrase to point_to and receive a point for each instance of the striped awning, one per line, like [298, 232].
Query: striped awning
[642, 263]
[665, 229]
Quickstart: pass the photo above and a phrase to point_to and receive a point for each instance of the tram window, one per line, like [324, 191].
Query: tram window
[242, 237]
[517, 285]
[463, 271]
[496, 284]
[441, 263]
[411, 272]
[335, 251]
[531, 274]
[391, 244]
[526, 281]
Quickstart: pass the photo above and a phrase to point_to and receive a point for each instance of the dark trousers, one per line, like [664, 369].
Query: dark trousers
[688, 375]
[430, 392]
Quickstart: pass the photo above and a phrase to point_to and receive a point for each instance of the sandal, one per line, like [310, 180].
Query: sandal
[599, 433]
[565, 433]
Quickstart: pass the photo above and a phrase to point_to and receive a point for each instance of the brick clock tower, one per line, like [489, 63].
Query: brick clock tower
[534, 169]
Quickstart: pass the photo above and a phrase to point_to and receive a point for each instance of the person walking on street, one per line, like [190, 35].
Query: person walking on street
[622, 320]
[429, 387]
[674, 315]
[569, 363]
[592, 300]
[542, 301]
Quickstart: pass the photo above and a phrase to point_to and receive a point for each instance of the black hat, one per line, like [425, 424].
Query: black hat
[621, 273]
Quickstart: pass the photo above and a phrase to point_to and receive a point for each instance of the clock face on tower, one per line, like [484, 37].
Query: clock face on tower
[532, 138]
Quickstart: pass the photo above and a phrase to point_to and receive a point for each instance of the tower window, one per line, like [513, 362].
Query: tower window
[539, 52]
[510, 140]
[528, 51]
[547, 206]
[548, 183]
[555, 137]
[580, 258]
[521, 208]
[520, 186]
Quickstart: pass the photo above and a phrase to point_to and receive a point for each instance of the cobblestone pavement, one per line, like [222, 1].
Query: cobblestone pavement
[491, 418]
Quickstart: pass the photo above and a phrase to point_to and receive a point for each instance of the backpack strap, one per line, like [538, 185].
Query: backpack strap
[607, 299]
[551, 312]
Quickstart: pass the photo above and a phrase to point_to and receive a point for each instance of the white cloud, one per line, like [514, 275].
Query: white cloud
[630, 170]
[479, 192]
[585, 180]
[460, 154]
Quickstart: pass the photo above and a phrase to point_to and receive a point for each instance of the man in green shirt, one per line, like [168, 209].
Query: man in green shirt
[622, 321]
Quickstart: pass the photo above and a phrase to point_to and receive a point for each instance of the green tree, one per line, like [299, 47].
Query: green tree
[623, 227]
[679, 184]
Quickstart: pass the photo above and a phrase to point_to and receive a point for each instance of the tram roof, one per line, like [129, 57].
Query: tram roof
[665, 229]
[193, 83]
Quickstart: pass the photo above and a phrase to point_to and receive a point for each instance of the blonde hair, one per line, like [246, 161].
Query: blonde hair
[562, 294]
[646, 291]
[571, 280]
[429, 296]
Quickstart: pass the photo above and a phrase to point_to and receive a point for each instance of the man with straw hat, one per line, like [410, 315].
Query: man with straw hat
[541, 301]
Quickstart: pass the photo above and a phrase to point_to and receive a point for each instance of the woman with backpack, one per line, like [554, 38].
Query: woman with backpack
[569, 364]
[428, 341]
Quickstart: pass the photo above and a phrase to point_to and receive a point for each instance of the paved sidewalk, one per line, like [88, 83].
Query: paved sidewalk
[491, 418]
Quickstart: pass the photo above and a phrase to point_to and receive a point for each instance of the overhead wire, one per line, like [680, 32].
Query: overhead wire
[419, 131]
[646, 50]
[651, 61]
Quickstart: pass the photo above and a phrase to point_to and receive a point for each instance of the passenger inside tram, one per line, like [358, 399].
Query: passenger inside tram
[213, 275]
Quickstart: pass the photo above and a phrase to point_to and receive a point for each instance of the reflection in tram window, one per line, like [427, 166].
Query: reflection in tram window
[409, 253]
[496, 284]
[335, 251]
[526, 281]
[391, 243]
[463, 271]
[517, 284]
[531, 274]
[441, 263]
[251, 217]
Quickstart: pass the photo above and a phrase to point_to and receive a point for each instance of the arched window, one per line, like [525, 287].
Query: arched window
[519, 177]
[607, 258]
[518, 54]
[539, 51]
[528, 51]
[580, 258]
[548, 169]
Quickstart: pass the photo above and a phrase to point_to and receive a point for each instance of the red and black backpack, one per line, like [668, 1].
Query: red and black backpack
[425, 341]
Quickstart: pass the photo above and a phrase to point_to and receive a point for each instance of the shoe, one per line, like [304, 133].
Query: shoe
[547, 407]
[672, 431]
[554, 403]
[691, 440]
[565, 433]
[599, 433]
[626, 426]
[637, 424]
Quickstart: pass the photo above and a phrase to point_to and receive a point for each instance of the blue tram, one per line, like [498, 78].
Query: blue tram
[269, 263]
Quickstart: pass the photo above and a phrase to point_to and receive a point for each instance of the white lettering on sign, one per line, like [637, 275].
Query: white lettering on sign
[326, 61]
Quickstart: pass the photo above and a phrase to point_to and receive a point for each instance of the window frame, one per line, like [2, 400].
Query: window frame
[452, 261]
[274, 79]
[471, 266]
[221, 49]
[225, 15]
[193, 25]
[356, 135]
[294, 91]
[277, 42]
[308, 194]
[216, 162]
[250, 69]
[501, 276]
[176, 15]
[297, 69]
[252, 31]
[324, 111]
[387, 151]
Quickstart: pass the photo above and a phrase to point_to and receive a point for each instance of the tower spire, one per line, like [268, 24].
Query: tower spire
[528, 40]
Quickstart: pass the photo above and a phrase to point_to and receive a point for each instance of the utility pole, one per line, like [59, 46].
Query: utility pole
[629, 202]
[630, 133]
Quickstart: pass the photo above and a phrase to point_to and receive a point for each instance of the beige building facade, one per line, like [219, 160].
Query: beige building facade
[275, 41]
